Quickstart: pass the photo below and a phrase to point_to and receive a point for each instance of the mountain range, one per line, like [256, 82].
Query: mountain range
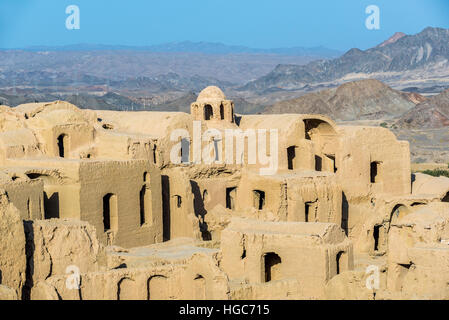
[63, 68]
[195, 47]
[119, 102]
[169, 77]
[420, 56]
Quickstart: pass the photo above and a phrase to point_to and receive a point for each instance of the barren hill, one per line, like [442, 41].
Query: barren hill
[365, 99]
[425, 55]
[432, 113]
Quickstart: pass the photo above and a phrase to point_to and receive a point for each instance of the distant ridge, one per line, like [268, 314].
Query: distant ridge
[195, 47]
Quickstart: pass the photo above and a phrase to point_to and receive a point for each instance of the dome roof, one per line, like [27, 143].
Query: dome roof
[211, 93]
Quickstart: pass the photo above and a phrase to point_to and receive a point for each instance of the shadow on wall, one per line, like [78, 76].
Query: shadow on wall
[63, 145]
[272, 263]
[237, 120]
[165, 208]
[29, 251]
[126, 289]
[51, 205]
[200, 211]
[445, 198]
[344, 213]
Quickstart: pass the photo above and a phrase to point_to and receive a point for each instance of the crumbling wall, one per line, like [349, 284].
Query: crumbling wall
[260, 252]
[427, 184]
[418, 260]
[12, 246]
[7, 293]
[60, 247]
[370, 219]
[27, 197]
[279, 290]
[315, 198]
[197, 278]
[373, 161]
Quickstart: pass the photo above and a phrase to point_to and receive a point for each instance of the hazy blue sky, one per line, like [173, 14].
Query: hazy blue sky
[338, 24]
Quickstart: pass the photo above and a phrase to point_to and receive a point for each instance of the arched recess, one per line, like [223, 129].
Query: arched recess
[399, 211]
[324, 137]
[63, 145]
[145, 198]
[318, 127]
[127, 290]
[341, 262]
[158, 288]
[291, 155]
[208, 112]
[49, 177]
[110, 212]
[50, 201]
[271, 267]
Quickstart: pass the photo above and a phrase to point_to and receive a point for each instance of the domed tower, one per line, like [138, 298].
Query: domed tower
[211, 105]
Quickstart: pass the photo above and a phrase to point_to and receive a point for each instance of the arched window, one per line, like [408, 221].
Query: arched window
[341, 262]
[230, 197]
[374, 170]
[142, 205]
[110, 213]
[398, 212]
[307, 210]
[272, 263]
[318, 163]
[291, 154]
[377, 235]
[62, 145]
[51, 205]
[259, 199]
[208, 112]
[145, 205]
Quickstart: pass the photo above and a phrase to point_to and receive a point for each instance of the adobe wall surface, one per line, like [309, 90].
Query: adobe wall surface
[125, 180]
[311, 253]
